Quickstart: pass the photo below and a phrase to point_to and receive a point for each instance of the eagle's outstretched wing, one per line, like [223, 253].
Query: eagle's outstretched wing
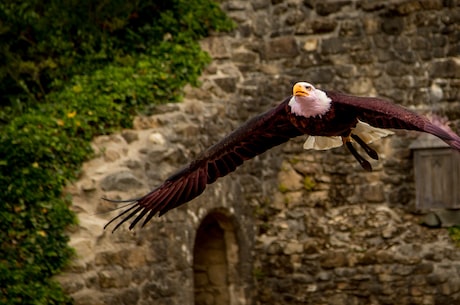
[385, 114]
[257, 135]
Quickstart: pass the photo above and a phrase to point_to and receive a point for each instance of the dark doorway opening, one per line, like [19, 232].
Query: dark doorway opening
[215, 265]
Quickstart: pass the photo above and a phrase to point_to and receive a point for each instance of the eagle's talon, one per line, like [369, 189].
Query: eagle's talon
[370, 152]
[363, 162]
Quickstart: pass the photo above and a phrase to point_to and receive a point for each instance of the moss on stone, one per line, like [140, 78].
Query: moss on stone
[308, 183]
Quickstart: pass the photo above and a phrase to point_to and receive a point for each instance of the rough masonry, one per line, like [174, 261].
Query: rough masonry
[290, 226]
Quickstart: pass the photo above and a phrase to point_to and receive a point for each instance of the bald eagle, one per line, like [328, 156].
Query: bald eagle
[329, 118]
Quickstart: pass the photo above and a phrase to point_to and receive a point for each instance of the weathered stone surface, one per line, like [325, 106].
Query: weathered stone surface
[373, 192]
[289, 179]
[228, 83]
[328, 7]
[334, 260]
[114, 278]
[111, 155]
[281, 47]
[217, 275]
[217, 48]
[72, 284]
[88, 297]
[449, 68]
[320, 75]
[130, 136]
[392, 25]
[88, 185]
[318, 26]
[120, 181]
[310, 227]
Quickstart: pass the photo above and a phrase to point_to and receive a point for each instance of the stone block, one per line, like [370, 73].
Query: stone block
[111, 154]
[84, 247]
[396, 68]
[280, 47]
[88, 185]
[371, 25]
[289, 180]
[157, 289]
[318, 26]
[204, 298]
[216, 47]
[77, 266]
[346, 70]
[373, 192]
[133, 258]
[436, 278]
[310, 45]
[392, 25]
[260, 4]
[385, 277]
[292, 248]
[71, 284]
[88, 297]
[333, 45]
[130, 136]
[261, 25]
[333, 260]
[324, 8]
[236, 5]
[106, 258]
[226, 83]
[201, 279]
[245, 57]
[442, 217]
[351, 28]
[120, 181]
[360, 86]
[450, 287]
[128, 296]
[445, 68]
[408, 7]
[322, 75]
[293, 199]
[424, 268]
[217, 274]
[114, 278]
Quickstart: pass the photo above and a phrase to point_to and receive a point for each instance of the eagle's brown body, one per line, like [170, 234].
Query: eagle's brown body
[270, 129]
[336, 122]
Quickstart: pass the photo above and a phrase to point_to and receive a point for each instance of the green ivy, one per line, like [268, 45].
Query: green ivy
[72, 70]
[454, 233]
[44, 44]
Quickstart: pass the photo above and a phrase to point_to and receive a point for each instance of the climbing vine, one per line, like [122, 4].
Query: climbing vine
[71, 70]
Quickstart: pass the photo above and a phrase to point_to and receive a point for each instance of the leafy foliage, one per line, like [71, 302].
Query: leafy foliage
[69, 71]
[46, 41]
[454, 233]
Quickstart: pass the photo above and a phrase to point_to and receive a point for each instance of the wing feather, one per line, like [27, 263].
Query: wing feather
[257, 135]
[385, 114]
[136, 209]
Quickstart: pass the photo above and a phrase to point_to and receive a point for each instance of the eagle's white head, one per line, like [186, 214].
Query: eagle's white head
[308, 101]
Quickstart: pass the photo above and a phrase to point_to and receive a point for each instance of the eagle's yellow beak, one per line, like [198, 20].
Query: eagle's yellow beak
[300, 90]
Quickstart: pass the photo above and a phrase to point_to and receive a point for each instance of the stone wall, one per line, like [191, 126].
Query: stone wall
[298, 227]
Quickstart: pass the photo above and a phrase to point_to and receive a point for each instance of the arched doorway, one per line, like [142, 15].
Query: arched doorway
[215, 262]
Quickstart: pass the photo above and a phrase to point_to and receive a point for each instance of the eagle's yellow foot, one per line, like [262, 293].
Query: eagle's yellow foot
[363, 162]
[346, 139]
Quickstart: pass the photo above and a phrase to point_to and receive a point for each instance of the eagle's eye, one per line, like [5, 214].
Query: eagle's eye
[308, 88]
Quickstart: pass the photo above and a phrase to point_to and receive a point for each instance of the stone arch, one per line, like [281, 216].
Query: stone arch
[216, 261]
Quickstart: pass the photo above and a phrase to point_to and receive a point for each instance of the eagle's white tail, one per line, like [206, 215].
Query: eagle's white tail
[369, 133]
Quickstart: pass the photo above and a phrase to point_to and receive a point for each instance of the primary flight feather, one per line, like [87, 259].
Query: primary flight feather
[329, 118]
